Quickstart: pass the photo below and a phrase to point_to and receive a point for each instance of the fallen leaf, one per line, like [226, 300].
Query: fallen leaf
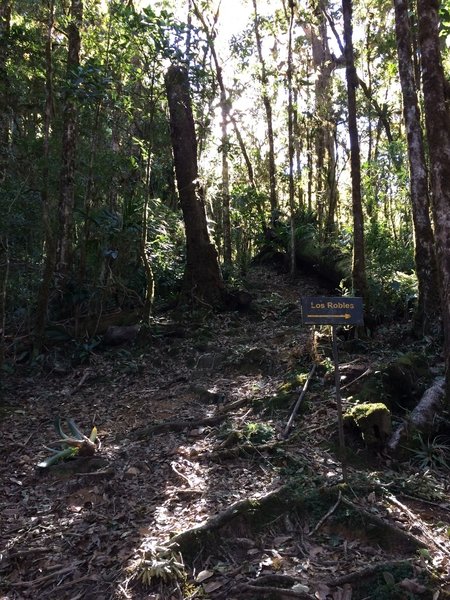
[203, 576]
[413, 586]
[299, 587]
[212, 586]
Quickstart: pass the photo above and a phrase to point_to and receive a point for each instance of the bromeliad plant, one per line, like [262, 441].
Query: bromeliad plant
[75, 444]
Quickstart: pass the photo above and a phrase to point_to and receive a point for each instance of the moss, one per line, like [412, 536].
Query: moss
[372, 419]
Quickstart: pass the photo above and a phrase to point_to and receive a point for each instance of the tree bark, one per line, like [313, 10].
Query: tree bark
[268, 109]
[291, 147]
[359, 264]
[67, 183]
[225, 110]
[202, 279]
[437, 120]
[5, 24]
[425, 258]
[47, 205]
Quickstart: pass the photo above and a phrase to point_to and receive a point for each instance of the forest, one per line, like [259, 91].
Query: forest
[175, 177]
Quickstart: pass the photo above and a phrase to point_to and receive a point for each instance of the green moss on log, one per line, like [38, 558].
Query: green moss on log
[373, 421]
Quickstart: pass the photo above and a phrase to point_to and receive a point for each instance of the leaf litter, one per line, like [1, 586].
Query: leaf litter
[71, 533]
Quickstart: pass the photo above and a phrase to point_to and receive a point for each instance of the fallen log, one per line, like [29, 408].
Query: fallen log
[422, 416]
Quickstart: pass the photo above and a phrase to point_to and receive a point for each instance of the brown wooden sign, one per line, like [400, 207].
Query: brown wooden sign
[325, 310]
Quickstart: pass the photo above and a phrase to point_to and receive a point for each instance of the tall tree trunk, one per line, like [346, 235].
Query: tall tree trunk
[425, 258]
[202, 278]
[359, 264]
[437, 121]
[268, 108]
[291, 147]
[225, 107]
[47, 204]
[323, 65]
[227, 250]
[5, 24]
[67, 183]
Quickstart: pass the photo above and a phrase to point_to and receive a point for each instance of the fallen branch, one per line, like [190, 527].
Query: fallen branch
[299, 401]
[272, 592]
[165, 426]
[407, 538]
[325, 517]
[420, 524]
[350, 383]
[40, 580]
[80, 384]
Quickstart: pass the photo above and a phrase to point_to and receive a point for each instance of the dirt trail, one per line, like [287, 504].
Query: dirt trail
[74, 535]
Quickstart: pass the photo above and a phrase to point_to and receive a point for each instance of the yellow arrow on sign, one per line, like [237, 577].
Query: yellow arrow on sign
[325, 315]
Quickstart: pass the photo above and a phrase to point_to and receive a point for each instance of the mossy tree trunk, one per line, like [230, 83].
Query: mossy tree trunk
[437, 120]
[425, 258]
[202, 278]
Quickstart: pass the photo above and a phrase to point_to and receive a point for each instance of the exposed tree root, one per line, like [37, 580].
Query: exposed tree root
[242, 450]
[408, 540]
[368, 572]
[255, 513]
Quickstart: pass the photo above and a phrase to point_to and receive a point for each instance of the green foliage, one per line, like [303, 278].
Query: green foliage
[258, 433]
[72, 445]
[431, 453]
[392, 282]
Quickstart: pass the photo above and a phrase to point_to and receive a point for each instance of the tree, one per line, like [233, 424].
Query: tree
[67, 184]
[269, 116]
[359, 266]
[437, 120]
[202, 279]
[225, 106]
[425, 258]
[5, 24]
[47, 205]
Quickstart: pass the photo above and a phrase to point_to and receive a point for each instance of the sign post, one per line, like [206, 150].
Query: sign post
[323, 310]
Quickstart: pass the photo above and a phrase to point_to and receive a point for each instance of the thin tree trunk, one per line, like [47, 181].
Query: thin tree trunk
[146, 260]
[291, 149]
[268, 108]
[359, 265]
[298, 146]
[425, 258]
[5, 24]
[202, 279]
[67, 184]
[437, 121]
[47, 206]
[4, 274]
